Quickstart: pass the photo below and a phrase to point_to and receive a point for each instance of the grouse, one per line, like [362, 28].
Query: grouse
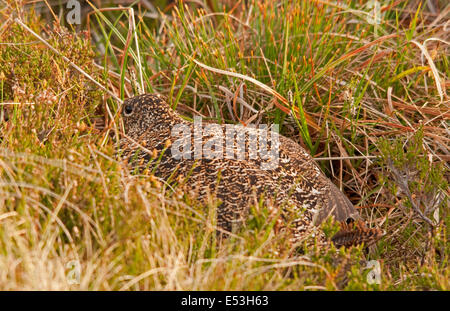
[211, 160]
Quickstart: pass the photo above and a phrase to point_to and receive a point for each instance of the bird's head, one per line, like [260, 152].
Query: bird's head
[147, 112]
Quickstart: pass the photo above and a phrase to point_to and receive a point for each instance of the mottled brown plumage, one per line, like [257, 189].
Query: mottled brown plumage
[356, 232]
[296, 182]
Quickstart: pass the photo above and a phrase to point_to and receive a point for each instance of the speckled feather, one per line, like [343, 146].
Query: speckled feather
[354, 233]
[297, 181]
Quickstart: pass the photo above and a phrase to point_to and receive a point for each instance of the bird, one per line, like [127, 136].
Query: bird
[295, 182]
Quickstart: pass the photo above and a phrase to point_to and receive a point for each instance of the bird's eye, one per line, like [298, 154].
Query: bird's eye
[128, 110]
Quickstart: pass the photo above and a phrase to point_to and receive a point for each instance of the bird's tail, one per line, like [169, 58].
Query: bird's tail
[356, 232]
[339, 206]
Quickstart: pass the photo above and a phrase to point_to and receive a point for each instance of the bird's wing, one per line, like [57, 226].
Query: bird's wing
[339, 206]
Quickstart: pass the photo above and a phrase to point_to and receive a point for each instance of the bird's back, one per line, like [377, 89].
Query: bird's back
[295, 179]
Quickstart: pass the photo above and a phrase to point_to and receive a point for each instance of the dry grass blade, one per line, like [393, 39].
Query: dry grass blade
[434, 70]
[261, 85]
[247, 78]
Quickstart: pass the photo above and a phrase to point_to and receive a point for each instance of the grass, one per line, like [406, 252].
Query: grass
[367, 100]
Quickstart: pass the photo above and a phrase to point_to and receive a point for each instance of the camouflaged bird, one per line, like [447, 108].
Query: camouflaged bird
[296, 182]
